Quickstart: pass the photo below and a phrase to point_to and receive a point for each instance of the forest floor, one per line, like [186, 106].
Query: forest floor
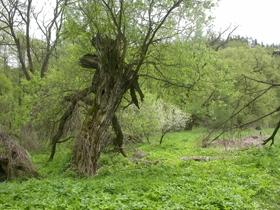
[156, 177]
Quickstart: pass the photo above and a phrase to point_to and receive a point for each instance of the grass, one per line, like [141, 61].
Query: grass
[234, 180]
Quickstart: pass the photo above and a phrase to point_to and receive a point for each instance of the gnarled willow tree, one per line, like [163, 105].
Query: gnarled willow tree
[125, 38]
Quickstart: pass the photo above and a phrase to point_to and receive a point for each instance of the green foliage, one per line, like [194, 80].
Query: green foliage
[211, 85]
[201, 85]
[257, 63]
[235, 180]
[182, 77]
[144, 122]
[153, 117]
[8, 93]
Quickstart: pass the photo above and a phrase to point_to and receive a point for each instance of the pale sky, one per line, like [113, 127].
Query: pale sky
[259, 19]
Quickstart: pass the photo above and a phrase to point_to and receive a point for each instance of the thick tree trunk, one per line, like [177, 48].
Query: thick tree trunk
[87, 147]
[110, 82]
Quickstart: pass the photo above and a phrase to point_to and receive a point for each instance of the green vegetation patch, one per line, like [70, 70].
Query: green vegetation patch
[158, 180]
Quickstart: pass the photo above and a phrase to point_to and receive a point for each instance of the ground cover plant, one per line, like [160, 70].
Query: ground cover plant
[135, 104]
[161, 179]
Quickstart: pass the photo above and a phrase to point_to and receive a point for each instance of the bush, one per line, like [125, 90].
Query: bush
[154, 117]
[141, 123]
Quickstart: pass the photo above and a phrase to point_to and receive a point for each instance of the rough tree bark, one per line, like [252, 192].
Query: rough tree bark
[118, 141]
[88, 61]
[112, 79]
[95, 128]
[73, 99]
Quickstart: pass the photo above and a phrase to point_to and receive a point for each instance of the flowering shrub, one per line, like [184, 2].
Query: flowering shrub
[153, 117]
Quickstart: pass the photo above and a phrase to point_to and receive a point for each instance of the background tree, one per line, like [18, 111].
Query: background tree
[18, 18]
[255, 88]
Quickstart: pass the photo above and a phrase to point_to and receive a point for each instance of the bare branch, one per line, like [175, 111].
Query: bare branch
[8, 16]
[223, 124]
[272, 84]
[168, 81]
[260, 118]
[217, 42]
[151, 33]
[272, 137]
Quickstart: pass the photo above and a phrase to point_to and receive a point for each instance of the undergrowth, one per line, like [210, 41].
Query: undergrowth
[161, 180]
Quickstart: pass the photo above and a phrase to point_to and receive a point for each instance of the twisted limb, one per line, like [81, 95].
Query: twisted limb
[118, 140]
[74, 99]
